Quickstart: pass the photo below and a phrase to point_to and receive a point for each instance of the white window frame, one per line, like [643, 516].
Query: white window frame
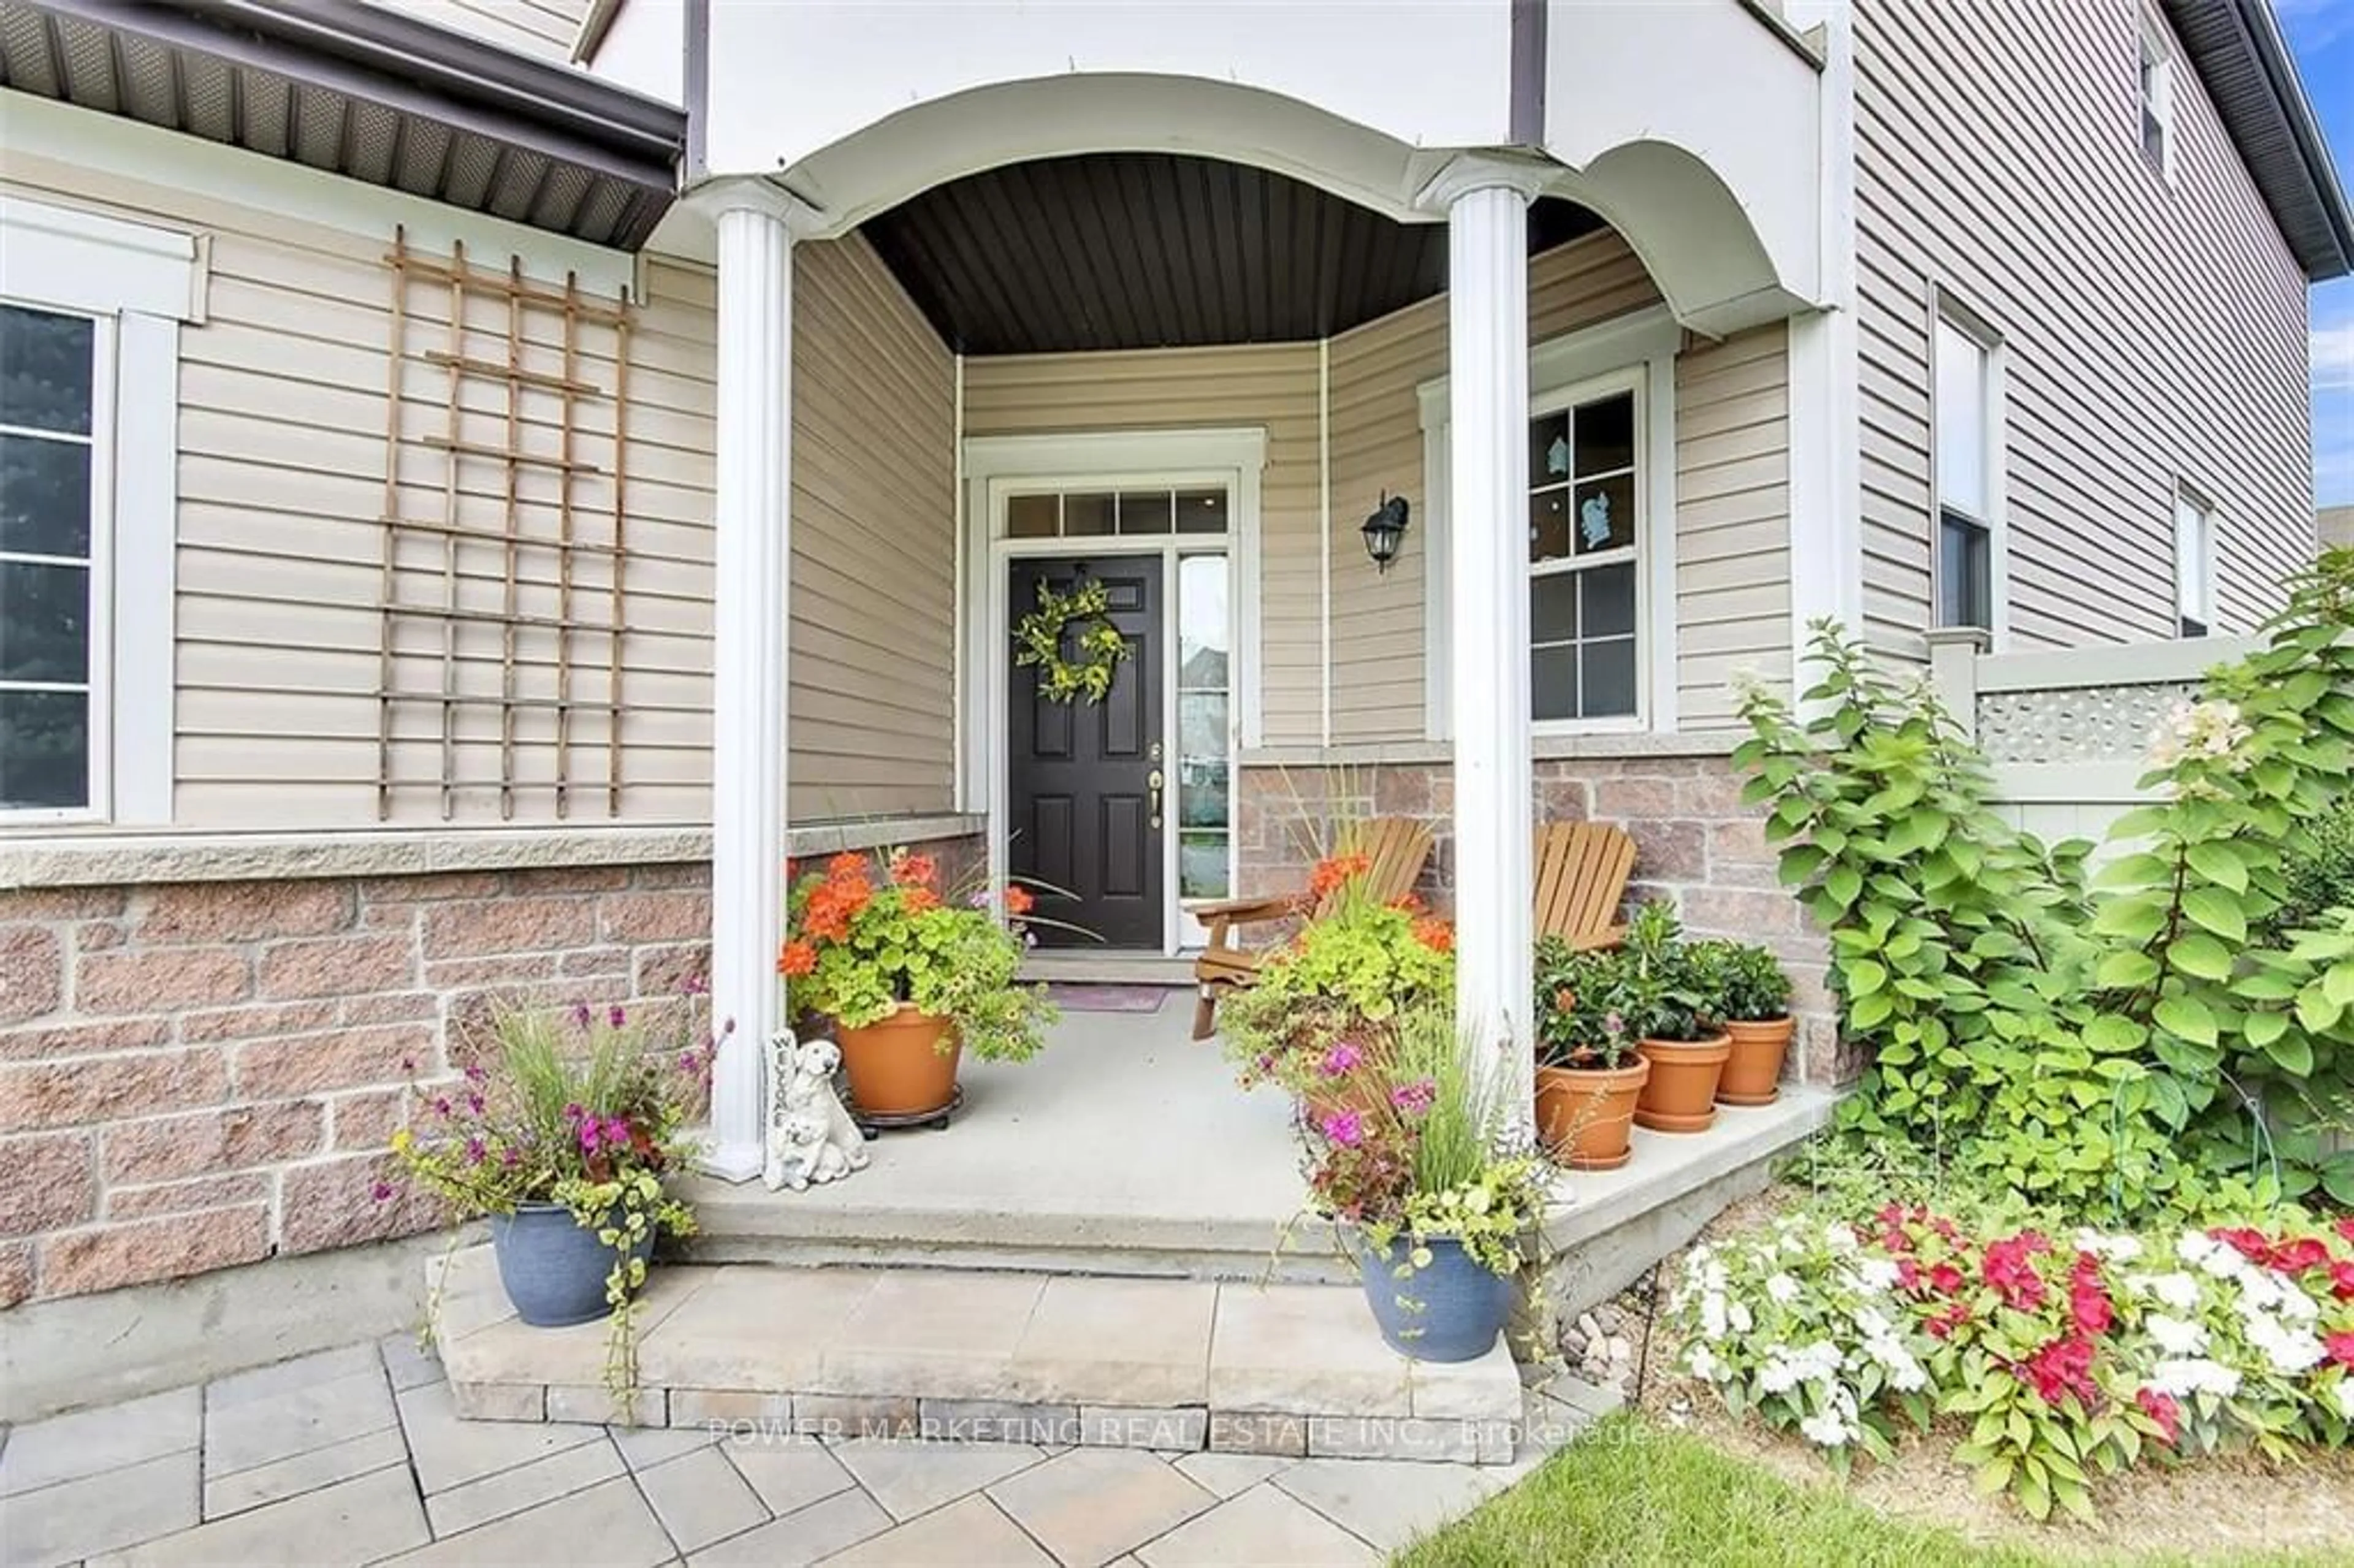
[138, 282]
[2154, 55]
[1636, 350]
[994, 468]
[1947, 313]
[2195, 594]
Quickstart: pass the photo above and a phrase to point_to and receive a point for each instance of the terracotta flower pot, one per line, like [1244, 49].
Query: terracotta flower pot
[899, 1066]
[1585, 1115]
[1753, 1074]
[1681, 1094]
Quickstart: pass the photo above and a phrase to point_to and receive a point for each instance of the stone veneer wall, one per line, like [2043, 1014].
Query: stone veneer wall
[1696, 844]
[203, 1073]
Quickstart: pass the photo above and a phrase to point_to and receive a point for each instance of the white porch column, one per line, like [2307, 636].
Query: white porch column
[1486, 201]
[752, 518]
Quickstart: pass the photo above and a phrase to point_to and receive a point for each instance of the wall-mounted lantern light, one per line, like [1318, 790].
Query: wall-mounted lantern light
[1384, 531]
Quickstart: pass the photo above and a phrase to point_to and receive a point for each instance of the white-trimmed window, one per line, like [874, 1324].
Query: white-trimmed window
[2194, 565]
[1967, 407]
[1601, 509]
[90, 308]
[2155, 93]
[56, 446]
[1585, 530]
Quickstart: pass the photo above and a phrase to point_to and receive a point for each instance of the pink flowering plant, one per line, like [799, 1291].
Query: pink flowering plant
[584, 1109]
[1410, 1153]
[2059, 1356]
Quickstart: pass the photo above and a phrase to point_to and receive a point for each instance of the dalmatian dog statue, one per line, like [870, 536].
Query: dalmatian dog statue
[811, 1135]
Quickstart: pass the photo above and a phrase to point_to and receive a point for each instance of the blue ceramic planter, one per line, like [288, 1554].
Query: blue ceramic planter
[1451, 1310]
[554, 1269]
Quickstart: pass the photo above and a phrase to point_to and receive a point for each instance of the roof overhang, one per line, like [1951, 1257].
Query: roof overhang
[2238, 51]
[369, 93]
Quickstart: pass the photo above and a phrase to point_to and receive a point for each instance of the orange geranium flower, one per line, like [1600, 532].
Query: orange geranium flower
[1333, 870]
[913, 869]
[796, 958]
[1409, 904]
[918, 899]
[1435, 934]
[1019, 900]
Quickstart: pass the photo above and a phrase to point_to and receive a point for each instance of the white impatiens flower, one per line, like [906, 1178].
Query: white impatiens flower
[1737, 1315]
[1786, 1368]
[2344, 1393]
[1840, 1238]
[2194, 1374]
[1705, 1363]
[2175, 1335]
[2290, 1350]
[2120, 1248]
[1828, 1429]
[1782, 1289]
[2175, 1290]
[1877, 1275]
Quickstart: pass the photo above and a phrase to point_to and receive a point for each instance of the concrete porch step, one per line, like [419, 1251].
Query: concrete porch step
[995, 1202]
[1089, 966]
[1054, 1359]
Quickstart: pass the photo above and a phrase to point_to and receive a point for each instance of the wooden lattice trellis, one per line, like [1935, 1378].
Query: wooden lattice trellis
[532, 521]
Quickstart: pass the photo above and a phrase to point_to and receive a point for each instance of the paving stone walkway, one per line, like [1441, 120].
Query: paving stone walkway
[357, 1456]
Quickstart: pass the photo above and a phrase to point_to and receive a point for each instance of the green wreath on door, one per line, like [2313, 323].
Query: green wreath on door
[1038, 640]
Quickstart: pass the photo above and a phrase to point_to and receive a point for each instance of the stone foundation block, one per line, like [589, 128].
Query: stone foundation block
[594, 1404]
[730, 1407]
[855, 1416]
[500, 1401]
[1259, 1431]
[999, 1420]
[1182, 1428]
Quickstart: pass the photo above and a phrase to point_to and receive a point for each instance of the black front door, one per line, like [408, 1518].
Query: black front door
[1085, 778]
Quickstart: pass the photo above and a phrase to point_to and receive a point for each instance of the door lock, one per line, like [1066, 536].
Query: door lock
[1153, 781]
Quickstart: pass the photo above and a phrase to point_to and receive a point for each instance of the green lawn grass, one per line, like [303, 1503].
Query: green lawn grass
[1631, 1494]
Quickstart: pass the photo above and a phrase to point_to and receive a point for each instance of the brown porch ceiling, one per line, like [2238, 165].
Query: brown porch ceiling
[1110, 250]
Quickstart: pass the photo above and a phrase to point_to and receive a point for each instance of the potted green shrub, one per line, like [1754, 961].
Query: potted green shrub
[1751, 998]
[563, 1132]
[911, 978]
[1664, 998]
[1589, 1073]
[1438, 1222]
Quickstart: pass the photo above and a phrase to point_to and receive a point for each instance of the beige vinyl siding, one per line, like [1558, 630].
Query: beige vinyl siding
[2153, 333]
[1733, 520]
[1376, 445]
[1272, 388]
[281, 477]
[874, 611]
[541, 28]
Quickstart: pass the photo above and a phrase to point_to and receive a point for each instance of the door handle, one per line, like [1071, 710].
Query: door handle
[1154, 782]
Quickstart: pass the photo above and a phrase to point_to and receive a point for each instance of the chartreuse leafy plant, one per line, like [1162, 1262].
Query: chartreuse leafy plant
[2144, 1039]
[1360, 963]
[859, 948]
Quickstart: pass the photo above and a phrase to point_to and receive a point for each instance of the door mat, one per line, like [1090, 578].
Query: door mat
[1076, 996]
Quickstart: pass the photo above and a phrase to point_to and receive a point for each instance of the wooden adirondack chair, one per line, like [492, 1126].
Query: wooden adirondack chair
[1397, 848]
[1581, 875]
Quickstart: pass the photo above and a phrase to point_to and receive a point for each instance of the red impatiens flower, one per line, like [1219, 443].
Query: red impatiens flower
[2162, 1409]
[2061, 1368]
[2341, 1347]
[2341, 1281]
[2252, 1245]
[2298, 1254]
[1941, 1325]
[1945, 1279]
[2088, 1300]
[2009, 1268]
[2346, 1229]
